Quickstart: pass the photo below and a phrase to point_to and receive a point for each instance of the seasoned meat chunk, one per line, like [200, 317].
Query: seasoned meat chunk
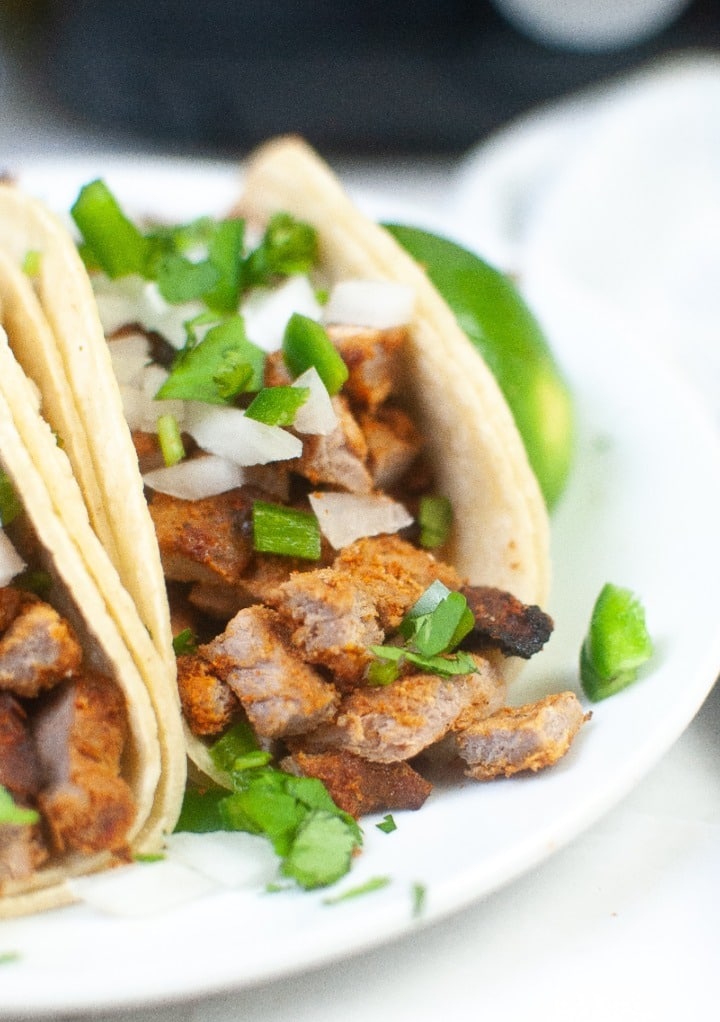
[280, 694]
[393, 573]
[393, 444]
[208, 703]
[372, 360]
[11, 600]
[207, 540]
[359, 786]
[503, 621]
[333, 621]
[397, 722]
[80, 733]
[338, 458]
[22, 851]
[518, 738]
[147, 449]
[37, 650]
[19, 771]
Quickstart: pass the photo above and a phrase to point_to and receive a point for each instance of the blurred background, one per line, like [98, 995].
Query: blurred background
[364, 77]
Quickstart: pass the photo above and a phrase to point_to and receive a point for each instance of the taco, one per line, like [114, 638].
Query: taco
[348, 526]
[80, 759]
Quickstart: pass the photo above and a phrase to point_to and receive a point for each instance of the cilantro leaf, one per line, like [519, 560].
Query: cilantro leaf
[223, 364]
[181, 280]
[13, 814]
[321, 851]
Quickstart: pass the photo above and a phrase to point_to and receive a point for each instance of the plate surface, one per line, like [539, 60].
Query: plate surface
[640, 511]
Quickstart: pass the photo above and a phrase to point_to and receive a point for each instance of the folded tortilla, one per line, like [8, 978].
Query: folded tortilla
[76, 435]
[43, 540]
[501, 535]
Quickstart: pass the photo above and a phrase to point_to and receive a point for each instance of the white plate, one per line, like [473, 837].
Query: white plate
[640, 511]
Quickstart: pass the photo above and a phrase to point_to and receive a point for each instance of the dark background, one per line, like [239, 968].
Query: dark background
[367, 77]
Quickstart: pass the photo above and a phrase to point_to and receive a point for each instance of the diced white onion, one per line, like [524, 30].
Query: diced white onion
[129, 354]
[134, 300]
[229, 433]
[11, 563]
[317, 414]
[229, 858]
[143, 889]
[134, 406]
[379, 304]
[196, 478]
[266, 312]
[345, 517]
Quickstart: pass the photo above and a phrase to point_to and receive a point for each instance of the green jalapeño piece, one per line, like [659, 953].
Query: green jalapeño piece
[617, 643]
[306, 344]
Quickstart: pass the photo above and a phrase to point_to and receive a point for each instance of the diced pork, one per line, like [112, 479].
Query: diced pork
[207, 540]
[521, 738]
[22, 851]
[393, 444]
[386, 724]
[208, 703]
[393, 573]
[280, 694]
[359, 786]
[372, 358]
[80, 734]
[333, 621]
[339, 458]
[37, 650]
[19, 770]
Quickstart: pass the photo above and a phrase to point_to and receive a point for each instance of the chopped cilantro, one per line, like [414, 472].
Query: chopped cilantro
[387, 824]
[13, 814]
[432, 629]
[374, 884]
[313, 837]
[31, 262]
[149, 857]
[287, 247]
[419, 896]
[225, 363]
[435, 517]
[181, 280]
[6, 957]
[10, 506]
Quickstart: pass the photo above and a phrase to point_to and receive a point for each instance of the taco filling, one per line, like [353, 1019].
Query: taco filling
[63, 725]
[301, 527]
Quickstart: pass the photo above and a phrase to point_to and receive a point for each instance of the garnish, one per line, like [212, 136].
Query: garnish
[181, 280]
[6, 957]
[419, 895]
[114, 242]
[285, 530]
[277, 406]
[305, 345]
[433, 629]
[288, 247]
[435, 520]
[374, 884]
[31, 262]
[387, 825]
[225, 363]
[617, 643]
[10, 506]
[12, 814]
[170, 439]
[314, 839]
[34, 581]
[148, 857]
[184, 642]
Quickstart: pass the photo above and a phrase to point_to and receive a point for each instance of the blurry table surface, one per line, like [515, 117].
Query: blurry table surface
[622, 924]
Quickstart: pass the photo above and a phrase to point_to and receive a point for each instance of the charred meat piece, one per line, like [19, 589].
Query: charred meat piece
[80, 733]
[208, 703]
[359, 786]
[208, 540]
[386, 724]
[393, 444]
[19, 770]
[519, 738]
[280, 694]
[372, 358]
[393, 573]
[37, 650]
[337, 459]
[333, 621]
[502, 620]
